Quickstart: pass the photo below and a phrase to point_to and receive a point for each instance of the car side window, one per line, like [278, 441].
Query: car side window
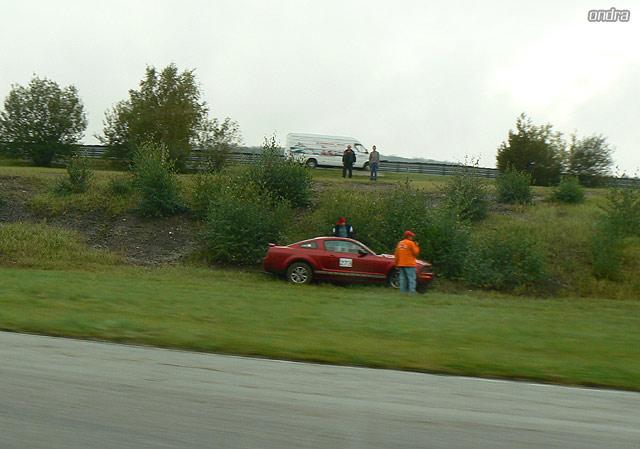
[341, 246]
[309, 245]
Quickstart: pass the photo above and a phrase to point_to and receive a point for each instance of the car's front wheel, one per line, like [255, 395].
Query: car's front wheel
[393, 279]
[299, 273]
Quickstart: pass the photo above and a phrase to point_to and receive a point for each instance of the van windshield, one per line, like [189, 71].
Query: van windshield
[359, 148]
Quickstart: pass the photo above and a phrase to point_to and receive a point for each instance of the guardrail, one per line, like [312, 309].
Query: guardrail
[426, 168]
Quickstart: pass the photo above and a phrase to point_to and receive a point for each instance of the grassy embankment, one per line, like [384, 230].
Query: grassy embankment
[90, 294]
[588, 342]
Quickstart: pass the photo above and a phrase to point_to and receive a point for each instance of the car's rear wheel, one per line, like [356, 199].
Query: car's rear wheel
[393, 279]
[312, 163]
[299, 273]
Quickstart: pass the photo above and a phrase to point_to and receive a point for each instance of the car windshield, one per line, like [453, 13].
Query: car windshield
[360, 148]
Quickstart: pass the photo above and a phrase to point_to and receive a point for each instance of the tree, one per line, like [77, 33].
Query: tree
[41, 121]
[537, 150]
[216, 140]
[589, 159]
[166, 110]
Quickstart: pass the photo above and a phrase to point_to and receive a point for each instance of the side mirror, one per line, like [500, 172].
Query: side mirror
[362, 252]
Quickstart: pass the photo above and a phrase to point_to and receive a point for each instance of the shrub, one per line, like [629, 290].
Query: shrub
[514, 186]
[466, 195]
[155, 178]
[569, 191]
[120, 186]
[79, 176]
[621, 220]
[505, 259]
[622, 211]
[281, 178]
[241, 222]
[607, 251]
[379, 221]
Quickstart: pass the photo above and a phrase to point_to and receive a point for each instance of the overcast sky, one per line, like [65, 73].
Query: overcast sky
[442, 80]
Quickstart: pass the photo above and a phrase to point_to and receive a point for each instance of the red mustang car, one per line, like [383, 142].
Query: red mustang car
[339, 260]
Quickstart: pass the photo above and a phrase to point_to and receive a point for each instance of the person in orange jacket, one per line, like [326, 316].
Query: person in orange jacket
[406, 252]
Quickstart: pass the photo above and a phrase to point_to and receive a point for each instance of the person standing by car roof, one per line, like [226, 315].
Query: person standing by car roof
[406, 253]
[342, 229]
[348, 159]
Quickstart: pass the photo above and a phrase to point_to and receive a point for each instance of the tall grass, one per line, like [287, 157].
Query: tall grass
[49, 247]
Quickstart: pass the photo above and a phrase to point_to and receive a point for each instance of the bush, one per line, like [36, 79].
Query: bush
[281, 178]
[569, 191]
[79, 176]
[379, 221]
[120, 186]
[505, 259]
[621, 220]
[155, 178]
[466, 195]
[514, 186]
[241, 222]
[622, 211]
[607, 251]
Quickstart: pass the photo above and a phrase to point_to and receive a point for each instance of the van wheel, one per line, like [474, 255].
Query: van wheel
[366, 166]
[299, 273]
[312, 163]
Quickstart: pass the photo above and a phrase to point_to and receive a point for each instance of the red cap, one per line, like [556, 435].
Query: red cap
[408, 234]
[342, 221]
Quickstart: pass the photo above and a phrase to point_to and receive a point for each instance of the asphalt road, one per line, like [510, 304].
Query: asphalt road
[60, 393]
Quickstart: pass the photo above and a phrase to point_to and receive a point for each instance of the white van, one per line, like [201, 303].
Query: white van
[316, 149]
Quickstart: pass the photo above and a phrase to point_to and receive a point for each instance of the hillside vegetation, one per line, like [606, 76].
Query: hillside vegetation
[537, 289]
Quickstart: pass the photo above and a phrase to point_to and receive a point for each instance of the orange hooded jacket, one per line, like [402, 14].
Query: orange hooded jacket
[406, 253]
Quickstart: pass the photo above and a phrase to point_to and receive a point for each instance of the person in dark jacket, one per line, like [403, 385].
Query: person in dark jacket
[348, 159]
[342, 229]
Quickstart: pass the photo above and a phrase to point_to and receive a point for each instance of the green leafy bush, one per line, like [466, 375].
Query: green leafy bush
[620, 221]
[607, 250]
[465, 194]
[241, 222]
[506, 259]
[120, 186]
[380, 220]
[79, 177]
[155, 178]
[281, 178]
[622, 211]
[513, 187]
[208, 185]
[569, 191]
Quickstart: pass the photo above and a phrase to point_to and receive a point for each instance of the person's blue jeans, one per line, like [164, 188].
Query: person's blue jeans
[374, 170]
[407, 279]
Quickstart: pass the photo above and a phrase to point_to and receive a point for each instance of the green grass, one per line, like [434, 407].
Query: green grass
[43, 246]
[587, 342]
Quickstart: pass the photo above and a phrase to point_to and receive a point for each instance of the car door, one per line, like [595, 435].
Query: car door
[369, 266]
[339, 256]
